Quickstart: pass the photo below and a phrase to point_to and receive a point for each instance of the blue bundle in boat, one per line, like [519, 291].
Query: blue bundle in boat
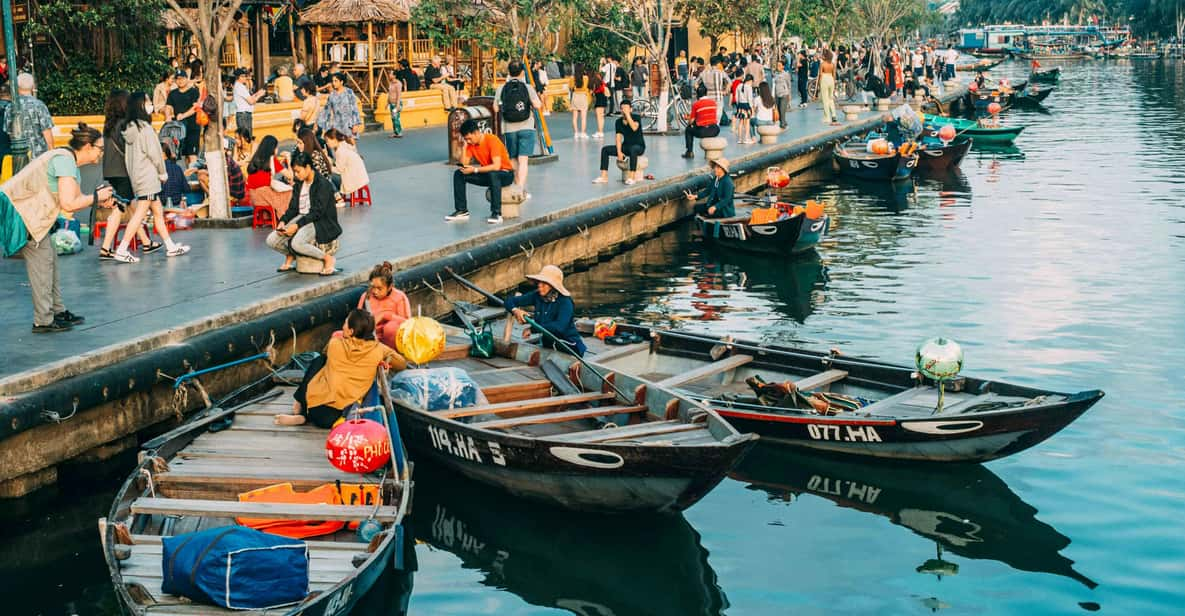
[235, 567]
[435, 389]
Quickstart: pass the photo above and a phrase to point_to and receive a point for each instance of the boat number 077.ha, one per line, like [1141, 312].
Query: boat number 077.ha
[846, 434]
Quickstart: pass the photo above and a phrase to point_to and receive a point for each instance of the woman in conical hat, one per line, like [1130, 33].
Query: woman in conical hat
[553, 309]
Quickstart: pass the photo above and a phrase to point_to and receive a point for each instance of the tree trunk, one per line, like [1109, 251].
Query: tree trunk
[714, 42]
[292, 37]
[211, 143]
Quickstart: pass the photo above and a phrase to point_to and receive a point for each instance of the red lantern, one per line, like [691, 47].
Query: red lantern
[994, 108]
[358, 446]
[974, 87]
[946, 133]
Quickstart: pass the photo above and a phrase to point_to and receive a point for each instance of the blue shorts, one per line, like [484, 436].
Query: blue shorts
[520, 143]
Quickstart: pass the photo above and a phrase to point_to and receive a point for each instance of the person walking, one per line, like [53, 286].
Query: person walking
[146, 170]
[715, 80]
[115, 172]
[309, 224]
[703, 120]
[49, 185]
[183, 107]
[395, 104]
[608, 75]
[341, 109]
[36, 122]
[827, 88]
[782, 91]
[578, 100]
[629, 143]
[600, 102]
[517, 102]
[244, 101]
[492, 169]
[804, 68]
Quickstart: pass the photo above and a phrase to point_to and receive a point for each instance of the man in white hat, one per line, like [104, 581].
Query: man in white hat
[717, 197]
[553, 309]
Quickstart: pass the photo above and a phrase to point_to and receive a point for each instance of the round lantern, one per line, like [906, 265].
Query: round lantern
[974, 87]
[420, 339]
[358, 446]
[947, 132]
[994, 108]
[939, 358]
[777, 177]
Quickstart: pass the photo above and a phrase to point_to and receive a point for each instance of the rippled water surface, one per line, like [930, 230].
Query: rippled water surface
[1059, 263]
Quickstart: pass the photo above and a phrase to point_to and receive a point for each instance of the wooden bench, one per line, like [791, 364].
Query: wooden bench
[589, 413]
[538, 404]
[627, 432]
[284, 511]
[717, 367]
[821, 380]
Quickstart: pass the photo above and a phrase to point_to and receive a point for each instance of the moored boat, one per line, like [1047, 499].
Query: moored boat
[855, 160]
[787, 230]
[1002, 135]
[1032, 95]
[192, 478]
[548, 429]
[852, 406]
[935, 155]
[1049, 75]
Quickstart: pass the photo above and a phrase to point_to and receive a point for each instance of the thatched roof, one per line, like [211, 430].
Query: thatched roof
[338, 12]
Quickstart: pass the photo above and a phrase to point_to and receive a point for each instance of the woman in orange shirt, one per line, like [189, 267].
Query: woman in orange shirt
[389, 306]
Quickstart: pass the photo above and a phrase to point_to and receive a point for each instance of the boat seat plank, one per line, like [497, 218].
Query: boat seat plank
[519, 390]
[347, 547]
[553, 402]
[731, 362]
[284, 511]
[608, 434]
[821, 380]
[542, 418]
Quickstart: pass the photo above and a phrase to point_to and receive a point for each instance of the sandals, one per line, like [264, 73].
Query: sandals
[106, 254]
[153, 247]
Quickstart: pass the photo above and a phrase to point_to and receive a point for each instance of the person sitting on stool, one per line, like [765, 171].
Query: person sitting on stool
[717, 197]
[702, 122]
[493, 169]
[309, 226]
[629, 143]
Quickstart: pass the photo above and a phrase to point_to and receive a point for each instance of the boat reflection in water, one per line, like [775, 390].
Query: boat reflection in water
[586, 564]
[967, 510]
[793, 282]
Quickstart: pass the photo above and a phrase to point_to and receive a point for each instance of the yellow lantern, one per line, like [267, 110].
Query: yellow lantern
[420, 339]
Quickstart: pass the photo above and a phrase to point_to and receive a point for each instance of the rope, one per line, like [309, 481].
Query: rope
[148, 476]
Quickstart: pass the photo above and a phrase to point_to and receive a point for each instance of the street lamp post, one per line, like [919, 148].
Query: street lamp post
[20, 146]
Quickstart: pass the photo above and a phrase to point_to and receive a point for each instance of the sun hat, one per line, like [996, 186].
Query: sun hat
[553, 276]
[722, 163]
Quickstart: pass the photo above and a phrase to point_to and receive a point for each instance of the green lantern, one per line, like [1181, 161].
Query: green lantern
[940, 359]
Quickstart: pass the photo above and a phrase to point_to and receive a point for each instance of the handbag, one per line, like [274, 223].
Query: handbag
[279, 184]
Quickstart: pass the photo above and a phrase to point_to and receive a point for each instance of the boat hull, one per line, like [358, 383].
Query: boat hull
[940, 438]
[1052, 75]
[606, 478]
[936, 157]
[885, 168]
[1004, 135]
[794, 235]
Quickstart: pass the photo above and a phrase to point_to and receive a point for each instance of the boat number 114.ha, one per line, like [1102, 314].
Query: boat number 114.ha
[464, 446]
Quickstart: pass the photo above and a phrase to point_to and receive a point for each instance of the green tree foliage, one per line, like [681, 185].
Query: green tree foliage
[1146, 17]
[504, 25]
[111, 44]
[588, 45]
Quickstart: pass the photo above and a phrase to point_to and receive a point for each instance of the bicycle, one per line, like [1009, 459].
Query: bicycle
[678, 110]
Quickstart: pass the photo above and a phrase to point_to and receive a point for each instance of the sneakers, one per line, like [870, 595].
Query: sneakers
[178, 250]
[124, 256]
[630, 181]
[457, 216]
[494, 220]
[526, 196]
[579, 136]
[600, 180]
[688, 154]
[56, 326]
[69, 318]
[598, 135]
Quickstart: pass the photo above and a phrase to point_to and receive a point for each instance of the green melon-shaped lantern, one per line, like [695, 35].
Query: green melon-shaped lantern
[939, 359]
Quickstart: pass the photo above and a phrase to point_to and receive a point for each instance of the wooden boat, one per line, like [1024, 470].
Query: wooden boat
[189, 479]
[792, 234]
[1032, 95]
[893, 410]
[553, 431]
[854, 160]
[965, 509]
[936, 156]
[1053, 55]
[982, 136]
[981, 65]
[1049, 75]
[527, 549]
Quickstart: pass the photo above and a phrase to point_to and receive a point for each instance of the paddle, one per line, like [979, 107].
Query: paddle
[564, 344]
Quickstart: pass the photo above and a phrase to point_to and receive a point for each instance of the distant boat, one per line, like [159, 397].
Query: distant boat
[982, 136]
[1050, 75]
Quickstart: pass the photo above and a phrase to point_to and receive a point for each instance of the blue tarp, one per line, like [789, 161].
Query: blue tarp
[435, 389]
[235, 567]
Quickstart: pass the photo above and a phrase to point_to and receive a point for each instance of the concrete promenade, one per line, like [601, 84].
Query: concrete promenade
[231, 275]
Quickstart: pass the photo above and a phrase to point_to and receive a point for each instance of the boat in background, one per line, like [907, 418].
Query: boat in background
[1049, 75]
[854, 159]
[1002, 135]
[828, 402]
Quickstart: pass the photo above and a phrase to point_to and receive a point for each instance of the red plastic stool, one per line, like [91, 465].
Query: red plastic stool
[263, 216]
[360, 197]
[133, 244]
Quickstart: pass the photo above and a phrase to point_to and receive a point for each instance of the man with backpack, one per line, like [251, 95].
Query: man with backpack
[516, 102]
[183, 107]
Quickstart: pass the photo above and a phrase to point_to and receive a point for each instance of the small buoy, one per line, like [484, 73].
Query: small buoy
[367, 529]
[994, 108]
[947, 132]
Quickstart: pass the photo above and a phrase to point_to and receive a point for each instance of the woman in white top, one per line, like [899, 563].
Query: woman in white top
[744, 105]
[765, 110]
[347, 162]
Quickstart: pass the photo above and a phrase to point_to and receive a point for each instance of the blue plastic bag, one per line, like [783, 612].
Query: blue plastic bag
[435, 389]
[235, 567]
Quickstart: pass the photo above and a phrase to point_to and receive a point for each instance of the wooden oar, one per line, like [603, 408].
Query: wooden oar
[564, 344]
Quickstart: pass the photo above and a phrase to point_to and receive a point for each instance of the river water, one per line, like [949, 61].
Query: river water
[1059, 263]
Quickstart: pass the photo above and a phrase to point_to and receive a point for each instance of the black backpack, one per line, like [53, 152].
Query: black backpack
[516, 101]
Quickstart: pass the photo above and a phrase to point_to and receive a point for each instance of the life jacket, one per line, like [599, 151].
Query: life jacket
[326, 494]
